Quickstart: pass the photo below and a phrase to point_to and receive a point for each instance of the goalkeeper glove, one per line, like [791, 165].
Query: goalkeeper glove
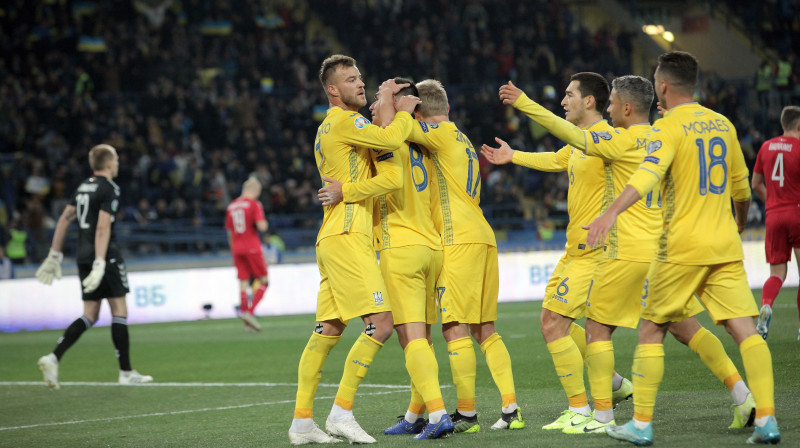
[92, 281]
[50, 268]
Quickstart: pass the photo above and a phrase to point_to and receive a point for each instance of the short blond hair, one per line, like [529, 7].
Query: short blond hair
[100, 155]
[433, 97]
[252, 185]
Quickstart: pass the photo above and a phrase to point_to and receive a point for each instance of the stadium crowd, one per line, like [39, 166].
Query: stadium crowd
[197, 95]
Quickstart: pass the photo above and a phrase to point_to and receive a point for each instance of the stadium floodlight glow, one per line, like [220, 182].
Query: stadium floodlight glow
[668, 36]
[652, 30]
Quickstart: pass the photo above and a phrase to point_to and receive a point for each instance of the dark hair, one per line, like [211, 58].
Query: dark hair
[410, 89]
[680, 68]
[329, 66]
[593, 84]
[635, 90]
[790, 118]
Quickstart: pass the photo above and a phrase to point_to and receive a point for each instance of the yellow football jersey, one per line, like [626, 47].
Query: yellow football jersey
[635, 234]
[405, 215]
[341, 149]
[695, 152]
[591, 188]
[459, 182]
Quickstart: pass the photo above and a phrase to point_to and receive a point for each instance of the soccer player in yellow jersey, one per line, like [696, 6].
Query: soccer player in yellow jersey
[351, 284]
[619, 282]
[568, 288]
[411, 260]
[695, 153]
[469, 282]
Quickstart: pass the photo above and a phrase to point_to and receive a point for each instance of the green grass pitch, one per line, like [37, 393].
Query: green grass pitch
[244, 386]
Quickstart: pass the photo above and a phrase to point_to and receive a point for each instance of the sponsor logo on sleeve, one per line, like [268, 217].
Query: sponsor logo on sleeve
[361, 122]
[653, 146]
[386, 156]
[652, 159]
[424, 126]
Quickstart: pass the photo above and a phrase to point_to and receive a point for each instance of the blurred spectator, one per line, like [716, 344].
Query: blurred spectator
[6, 266]
[16, 247]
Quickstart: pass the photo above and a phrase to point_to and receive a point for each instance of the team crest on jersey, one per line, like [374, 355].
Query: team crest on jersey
[361, 122]
[378, 297]
[653, 146]
[596, 136]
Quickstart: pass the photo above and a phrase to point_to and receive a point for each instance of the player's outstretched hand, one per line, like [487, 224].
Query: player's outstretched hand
[509, 93]
[598, 229]
[50, 268]
[408, 103]
[92, 281]
[498, 156]
[330, 194]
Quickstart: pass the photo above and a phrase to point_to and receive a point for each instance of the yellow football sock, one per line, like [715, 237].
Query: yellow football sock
[713, 355]
[355, 369]
[578, 334]
[757, 362]
[424, 371]
[647, 372]
[499, 362]
[309, 372]
[569, 368]
[417, 403]
[462, 365]
[600, 365]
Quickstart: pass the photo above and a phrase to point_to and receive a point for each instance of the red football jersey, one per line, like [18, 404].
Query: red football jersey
[779, 162]
[240, 218]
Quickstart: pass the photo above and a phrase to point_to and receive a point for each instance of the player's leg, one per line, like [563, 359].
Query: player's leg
[565, 301]
[777, 245]
[327, 332]
[459, 292]
[770, 290]
[499, 362]
[647, 372]
[729, 300]
[378, 328]
[259, 293]
[259, 269]
[250, 266]
[49, 363]
[710, 350]
[600, 370]
[121, 340]
[309, 373]
[669, 289]
[463, 367]
[358, 291]
[494, 349]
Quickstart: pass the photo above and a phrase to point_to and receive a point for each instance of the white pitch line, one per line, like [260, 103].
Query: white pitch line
[159, 414]
[90, 383]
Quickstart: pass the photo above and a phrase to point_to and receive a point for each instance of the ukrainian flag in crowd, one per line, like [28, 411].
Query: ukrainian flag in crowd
[319, 112]
[267, 84]
[83, 8]
[216, 27]
[92, 44]
[271, 21]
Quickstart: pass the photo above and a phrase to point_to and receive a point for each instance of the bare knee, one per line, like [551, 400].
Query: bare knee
[379, 326]
[554, 325]
[482, 331]
[454, 330]
[685, 331]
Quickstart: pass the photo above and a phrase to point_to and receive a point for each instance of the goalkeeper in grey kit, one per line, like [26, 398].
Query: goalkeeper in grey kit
[100, 265]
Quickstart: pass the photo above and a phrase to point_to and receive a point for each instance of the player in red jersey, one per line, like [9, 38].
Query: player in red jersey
[244, 218]
[776, 180]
